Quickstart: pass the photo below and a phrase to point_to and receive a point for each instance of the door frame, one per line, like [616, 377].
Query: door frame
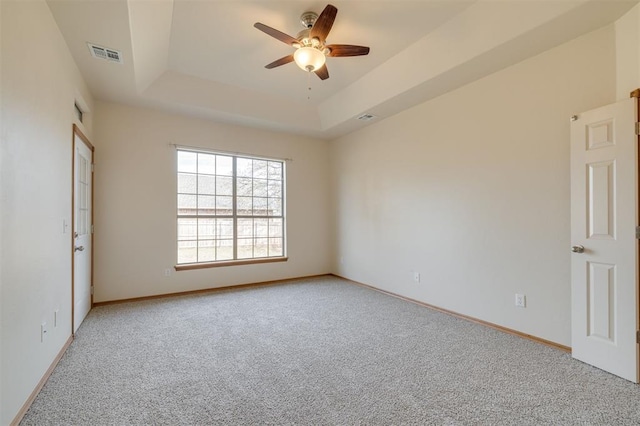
[636, 94]
[77, 132]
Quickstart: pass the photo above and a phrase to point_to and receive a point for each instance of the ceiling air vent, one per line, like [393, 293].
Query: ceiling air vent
[105, 53]
[366, 117]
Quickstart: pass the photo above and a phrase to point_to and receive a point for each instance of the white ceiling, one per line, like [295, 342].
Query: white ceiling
[204, 58]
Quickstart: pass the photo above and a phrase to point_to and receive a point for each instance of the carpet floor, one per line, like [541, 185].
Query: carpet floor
[317, 351]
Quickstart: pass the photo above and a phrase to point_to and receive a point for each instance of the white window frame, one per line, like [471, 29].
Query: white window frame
[236, 216]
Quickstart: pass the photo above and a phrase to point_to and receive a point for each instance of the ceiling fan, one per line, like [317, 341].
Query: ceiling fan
[310, 44]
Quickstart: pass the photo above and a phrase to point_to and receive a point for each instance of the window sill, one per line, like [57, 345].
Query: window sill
[190, 266]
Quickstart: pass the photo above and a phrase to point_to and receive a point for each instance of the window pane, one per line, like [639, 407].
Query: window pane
[186, 183]
[206, 204]
[260, 169]
[245, 248]
[187, 252]
[275, 207]
[275, 227]
[224, 228]
[275, 247]
[275, 189]
[206, 251]
[261, 227]
[244, 206]
[187, 229]
[260, 249]
[224, 206]
[244, 187]
[224, 185]
[259, 206]
[186, 204]
[206, 184]
[187, 161]
[206, 229]
[244, 167]
[275, 170]
[245, 228]
[78, 112]
[224, 165]
[207, 163]
[259, 187]
[224, 250]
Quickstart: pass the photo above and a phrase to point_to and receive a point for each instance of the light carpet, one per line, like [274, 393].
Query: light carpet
[318, 351]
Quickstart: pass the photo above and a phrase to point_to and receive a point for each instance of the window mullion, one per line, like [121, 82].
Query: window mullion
[197, 211]
[234, 207]
[253, 211]
[216, 241]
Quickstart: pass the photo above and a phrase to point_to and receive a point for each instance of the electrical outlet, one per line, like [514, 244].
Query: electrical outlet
[521, 300]
[43, 331]
[55, 317]
[416, 277]
[167, 272]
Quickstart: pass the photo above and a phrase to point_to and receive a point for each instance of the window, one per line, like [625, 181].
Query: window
[230, 209]
[78, 112]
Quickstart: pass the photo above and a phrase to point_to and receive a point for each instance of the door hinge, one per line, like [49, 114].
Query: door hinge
[637, 232]
[92, 230]
[638, 128]
[92, 290]
[638, 336]
[93, 164]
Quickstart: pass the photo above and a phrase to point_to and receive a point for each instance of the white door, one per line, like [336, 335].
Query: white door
[82, 185]
[604, 280]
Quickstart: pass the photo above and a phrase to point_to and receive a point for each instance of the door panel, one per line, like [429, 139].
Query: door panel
[601, 301]
[600, 195]
[604, 295]
[83, 188]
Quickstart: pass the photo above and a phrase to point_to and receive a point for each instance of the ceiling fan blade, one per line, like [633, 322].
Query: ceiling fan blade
[285, 38]
[322, 72]
[281, 61]
[347, 50]
[324, 23]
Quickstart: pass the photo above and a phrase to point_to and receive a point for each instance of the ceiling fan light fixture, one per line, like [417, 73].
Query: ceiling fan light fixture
[311, 43]
[309, 58]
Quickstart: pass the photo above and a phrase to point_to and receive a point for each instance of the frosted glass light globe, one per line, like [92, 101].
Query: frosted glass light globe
[309, 58]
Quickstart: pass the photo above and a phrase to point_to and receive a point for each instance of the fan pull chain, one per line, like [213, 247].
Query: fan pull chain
[309, 84]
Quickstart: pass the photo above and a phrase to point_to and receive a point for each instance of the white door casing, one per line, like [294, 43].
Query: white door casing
[604, 199]
[82, 229]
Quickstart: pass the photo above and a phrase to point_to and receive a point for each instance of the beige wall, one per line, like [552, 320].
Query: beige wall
[628, 53]
[135, 204]
[471, 190]
[39, 85]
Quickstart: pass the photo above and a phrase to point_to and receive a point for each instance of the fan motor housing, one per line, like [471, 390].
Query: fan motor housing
[307, 19]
